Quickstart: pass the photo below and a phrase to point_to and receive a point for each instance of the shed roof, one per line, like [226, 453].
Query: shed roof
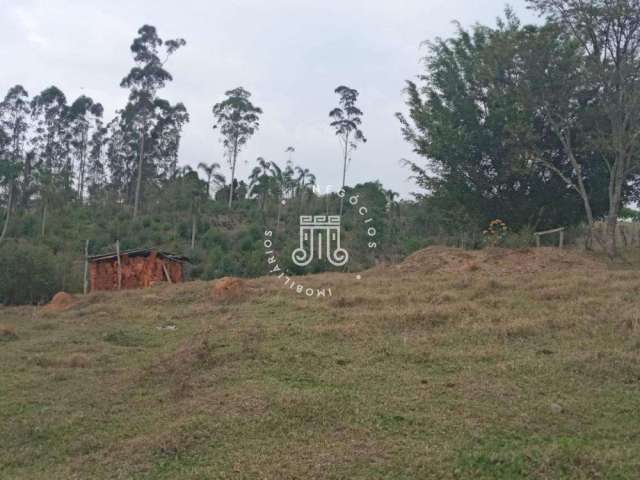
[139, 252]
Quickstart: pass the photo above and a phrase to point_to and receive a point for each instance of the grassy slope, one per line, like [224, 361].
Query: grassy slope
[401, 375]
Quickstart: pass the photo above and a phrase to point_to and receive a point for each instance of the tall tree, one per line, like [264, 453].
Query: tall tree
[470, 123]
[238, 119]
[346, 120]
[607, 34]
[96, 170]
[150, 53]
[84, 116]
[7, 175]
[14, 115]
[51, 145]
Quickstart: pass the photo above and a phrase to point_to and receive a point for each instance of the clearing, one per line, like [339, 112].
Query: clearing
[453, 364]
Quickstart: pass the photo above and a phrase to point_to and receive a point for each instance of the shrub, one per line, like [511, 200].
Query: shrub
[28, 273]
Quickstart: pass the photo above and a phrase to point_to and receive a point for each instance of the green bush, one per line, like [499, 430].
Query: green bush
[28, 273]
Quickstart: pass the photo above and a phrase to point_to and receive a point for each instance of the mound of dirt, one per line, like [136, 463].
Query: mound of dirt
[496, 260]
[60, 301]
[228, 288]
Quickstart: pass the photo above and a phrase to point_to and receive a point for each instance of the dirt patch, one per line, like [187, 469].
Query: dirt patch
[496, 260]
[60, 301]
[228, 288]
[8, 332]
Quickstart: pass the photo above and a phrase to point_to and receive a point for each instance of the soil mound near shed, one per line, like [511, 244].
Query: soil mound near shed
[497, 260]
[228, 288]
[60, 301]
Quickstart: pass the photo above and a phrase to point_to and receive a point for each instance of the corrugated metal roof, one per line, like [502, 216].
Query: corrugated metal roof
[139, 252]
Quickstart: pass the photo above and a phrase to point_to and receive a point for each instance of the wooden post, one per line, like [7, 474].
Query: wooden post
[119, 264]
[561, 238]
[86, 266]
[537, 240]
[193, 232]
[166, 272]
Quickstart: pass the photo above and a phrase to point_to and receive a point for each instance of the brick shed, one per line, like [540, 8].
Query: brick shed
[140, 269]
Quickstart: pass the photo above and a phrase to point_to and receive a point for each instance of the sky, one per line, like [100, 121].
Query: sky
[290, 54]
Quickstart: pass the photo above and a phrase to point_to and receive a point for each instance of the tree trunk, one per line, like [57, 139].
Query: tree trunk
[233, 171]
[193, 231]
[615, 200]
[44, 219]
[26, 181]
[83, 155]
[85, 283]
[344, 170]
[5, 228]
[136, 204]
[280, 200]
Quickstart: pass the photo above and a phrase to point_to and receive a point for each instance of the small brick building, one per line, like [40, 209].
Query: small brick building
[138, 269]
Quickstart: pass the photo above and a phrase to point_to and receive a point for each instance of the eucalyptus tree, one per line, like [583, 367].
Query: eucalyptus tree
[346, 120]
[150, 54]
[238, 119]
[14, 123]
[212, 173]
[96, 169]
[165, 138]
[7, 177]
[84, 117]
[51, 146]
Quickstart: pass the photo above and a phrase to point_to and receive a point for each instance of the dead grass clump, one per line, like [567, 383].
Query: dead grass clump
[228, 289]
[179, 367]
[518, 331]
[348, 302]
[487, 288]
[77, 360]
[551, 294]
[416, 320]
[630, 324]
[123, 338]
[429, 319]
[8, 332]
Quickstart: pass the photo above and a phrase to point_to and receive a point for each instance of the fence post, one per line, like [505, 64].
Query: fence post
[86, 267]
[119, 264]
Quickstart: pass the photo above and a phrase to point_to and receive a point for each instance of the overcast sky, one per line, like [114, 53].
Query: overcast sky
[291, 54]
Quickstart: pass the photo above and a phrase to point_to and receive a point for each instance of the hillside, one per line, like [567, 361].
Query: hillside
[453, 364]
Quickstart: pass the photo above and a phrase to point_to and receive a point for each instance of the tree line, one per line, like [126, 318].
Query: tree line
[534, 122]
[54, 151]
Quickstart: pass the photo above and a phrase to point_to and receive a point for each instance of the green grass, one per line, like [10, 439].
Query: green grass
[401, 375]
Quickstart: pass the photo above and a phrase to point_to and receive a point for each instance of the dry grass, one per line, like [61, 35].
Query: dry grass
[456, 367]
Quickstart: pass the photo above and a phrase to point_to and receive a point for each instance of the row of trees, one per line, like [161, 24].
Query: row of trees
[53, 152]
[238, 120]
[533, 124]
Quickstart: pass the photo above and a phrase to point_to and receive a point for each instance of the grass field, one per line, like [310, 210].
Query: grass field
[448, 366]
